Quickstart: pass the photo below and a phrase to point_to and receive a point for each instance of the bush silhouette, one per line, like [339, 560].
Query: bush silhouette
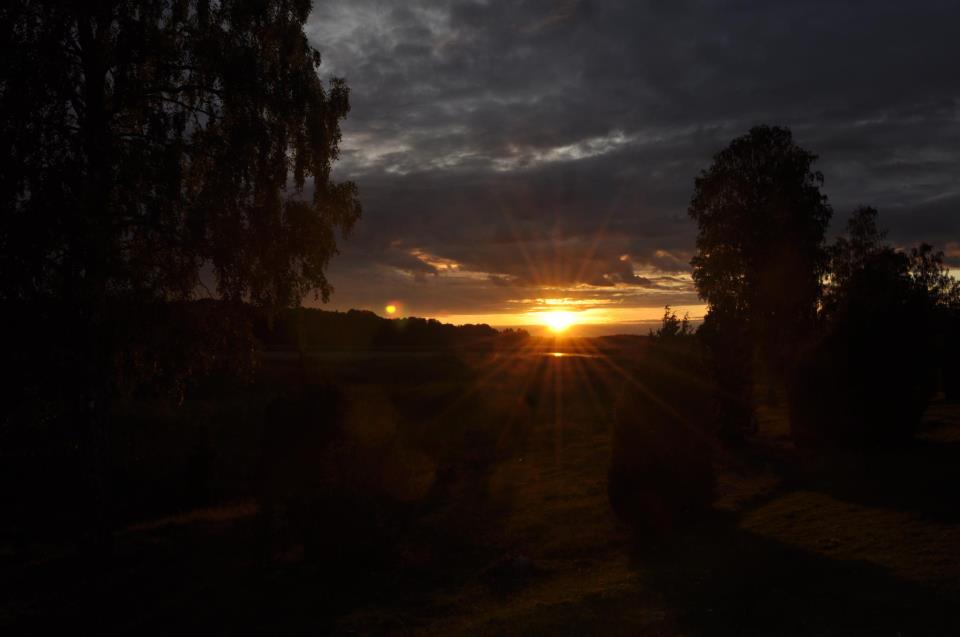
[727, 353]
[867, 381]
[950, 364]
[661, 475]
[310, 495]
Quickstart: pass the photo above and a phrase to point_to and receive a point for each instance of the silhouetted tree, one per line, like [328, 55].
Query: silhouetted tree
[868, 379]
[672, 326]
[850, 253]
[147, 143]
[940, 295]
[150, 138]
[761, 222]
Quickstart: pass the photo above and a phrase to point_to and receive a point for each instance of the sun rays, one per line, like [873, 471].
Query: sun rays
[558, 322]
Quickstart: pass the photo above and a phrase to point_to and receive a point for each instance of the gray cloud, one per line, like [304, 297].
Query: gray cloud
[555, 142]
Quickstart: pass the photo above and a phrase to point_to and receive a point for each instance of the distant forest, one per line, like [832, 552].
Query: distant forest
[364, 330]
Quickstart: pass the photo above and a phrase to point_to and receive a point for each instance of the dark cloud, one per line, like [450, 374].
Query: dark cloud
[502, 145]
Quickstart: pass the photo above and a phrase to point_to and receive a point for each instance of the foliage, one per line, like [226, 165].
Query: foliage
[868, 379]
[950, 354]
[316, 329]
[154, 150]
[156, 147]
[671, 326]
[761, 223]
[661, 473]
[849, 254]
[728, 355]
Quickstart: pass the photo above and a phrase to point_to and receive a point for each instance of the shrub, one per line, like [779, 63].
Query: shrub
[336, 478]
[306, 497]
[867, 381]
[950, 358]
[849, 393]
[661, 474]
[728, 352]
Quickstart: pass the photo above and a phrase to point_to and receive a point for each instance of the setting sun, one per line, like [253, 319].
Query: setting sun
[558, 321]
[391, 309]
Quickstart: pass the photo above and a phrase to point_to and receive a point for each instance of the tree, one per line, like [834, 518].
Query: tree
[760, 257]
[862, 252]
[671, 326]
[149, 143]
[885, 331]
[850, 253]
[148, 139]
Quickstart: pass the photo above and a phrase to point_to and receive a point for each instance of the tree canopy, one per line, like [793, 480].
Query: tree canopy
[158, 151]
[762, 220]
[886, 329]
[151, 141]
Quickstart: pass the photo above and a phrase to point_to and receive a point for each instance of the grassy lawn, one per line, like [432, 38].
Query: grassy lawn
[799, 543]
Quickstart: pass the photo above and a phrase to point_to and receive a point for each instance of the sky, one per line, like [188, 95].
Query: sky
[515, 157]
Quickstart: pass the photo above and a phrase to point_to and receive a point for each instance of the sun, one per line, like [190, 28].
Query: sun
[558, 322]
[391, 309]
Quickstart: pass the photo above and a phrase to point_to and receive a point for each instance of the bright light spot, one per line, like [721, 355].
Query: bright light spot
[558, 321]
[556, 354]
[391, 309]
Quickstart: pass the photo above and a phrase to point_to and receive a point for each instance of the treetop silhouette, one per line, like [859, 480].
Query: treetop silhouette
[761, 224]
[151, 139]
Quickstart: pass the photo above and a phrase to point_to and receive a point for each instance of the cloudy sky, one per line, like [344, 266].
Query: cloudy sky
[514, 156]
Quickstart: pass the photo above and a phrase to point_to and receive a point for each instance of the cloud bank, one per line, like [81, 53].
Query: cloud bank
[509, 150]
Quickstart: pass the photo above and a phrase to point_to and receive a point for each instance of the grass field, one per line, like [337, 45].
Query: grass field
[526, 543]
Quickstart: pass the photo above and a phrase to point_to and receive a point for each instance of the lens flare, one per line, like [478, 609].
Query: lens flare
[558, 322]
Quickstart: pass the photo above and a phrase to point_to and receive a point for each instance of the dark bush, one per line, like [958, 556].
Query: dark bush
[848, 394]
[301, 498]
[466, 430]
[336, 480]
[728, 353]
[661, 473]
[867, 381]
[950, 357]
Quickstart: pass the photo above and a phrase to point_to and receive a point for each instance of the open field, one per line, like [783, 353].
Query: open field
[521, 539]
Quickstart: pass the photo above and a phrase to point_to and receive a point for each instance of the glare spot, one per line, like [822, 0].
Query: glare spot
[391, 309]
[558, 321]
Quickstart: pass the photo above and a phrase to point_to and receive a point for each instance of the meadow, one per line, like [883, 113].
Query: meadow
[471, 498]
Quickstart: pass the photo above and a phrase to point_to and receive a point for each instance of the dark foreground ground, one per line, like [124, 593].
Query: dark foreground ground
[799, 544]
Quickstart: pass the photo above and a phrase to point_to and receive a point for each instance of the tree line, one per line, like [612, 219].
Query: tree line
[315, 329]
[856, 334]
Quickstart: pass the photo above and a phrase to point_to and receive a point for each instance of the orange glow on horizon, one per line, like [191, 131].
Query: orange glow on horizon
[619, 319]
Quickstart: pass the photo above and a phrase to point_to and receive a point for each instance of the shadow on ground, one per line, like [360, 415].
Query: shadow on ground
[727, 581]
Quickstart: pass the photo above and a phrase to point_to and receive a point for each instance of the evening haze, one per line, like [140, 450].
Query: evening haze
[524, 157]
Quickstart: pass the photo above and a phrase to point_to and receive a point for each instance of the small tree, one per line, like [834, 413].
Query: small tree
[671, 326]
